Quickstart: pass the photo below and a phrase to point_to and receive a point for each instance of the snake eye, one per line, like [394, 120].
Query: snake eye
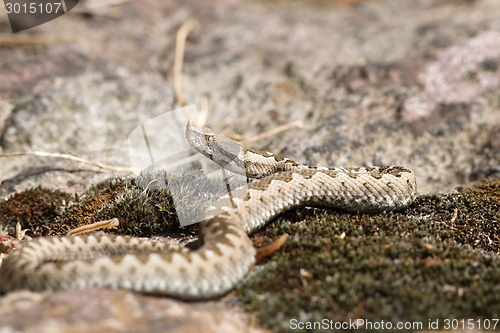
[209, 138]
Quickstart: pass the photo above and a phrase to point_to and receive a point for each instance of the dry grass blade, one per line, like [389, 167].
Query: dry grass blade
[180, 44]
[12, 40]
[274, 131]
[271, 248]
[72, 157]
[107, 224]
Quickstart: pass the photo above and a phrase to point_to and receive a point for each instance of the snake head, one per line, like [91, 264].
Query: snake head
[225, 152]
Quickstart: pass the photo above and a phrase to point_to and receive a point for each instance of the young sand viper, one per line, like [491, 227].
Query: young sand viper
[226, 253]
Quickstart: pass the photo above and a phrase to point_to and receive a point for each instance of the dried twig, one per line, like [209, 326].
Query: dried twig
[271, 248]
[20, 233]
[182, 34]
[12, 40]
[107, 224]
[274, 131]
[203, 114]
[454, 216]
[72, 157]
[180, 44]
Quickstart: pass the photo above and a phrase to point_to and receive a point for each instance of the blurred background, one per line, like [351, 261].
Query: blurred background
[346, 83]
[331, 83]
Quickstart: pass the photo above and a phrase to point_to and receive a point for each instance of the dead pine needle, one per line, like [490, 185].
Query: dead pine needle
[267, 250]
[107, 224]
[180, 45]
[73, 157]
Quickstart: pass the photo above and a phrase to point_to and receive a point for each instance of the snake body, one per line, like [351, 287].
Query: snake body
[226, 253]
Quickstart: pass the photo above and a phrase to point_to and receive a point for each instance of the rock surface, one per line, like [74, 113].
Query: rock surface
[385, 82]
[94, 310]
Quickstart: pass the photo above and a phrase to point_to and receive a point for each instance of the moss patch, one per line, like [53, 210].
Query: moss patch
[35, 209]
[143, 211]
[438, 259]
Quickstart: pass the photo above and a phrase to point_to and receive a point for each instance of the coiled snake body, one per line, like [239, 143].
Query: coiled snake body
[226, 253]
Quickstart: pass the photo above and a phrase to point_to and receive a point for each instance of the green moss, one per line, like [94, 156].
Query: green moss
[35, 209]
[143, 211]
[438, 259]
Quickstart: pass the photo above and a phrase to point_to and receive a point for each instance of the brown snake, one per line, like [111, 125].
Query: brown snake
[226, 253]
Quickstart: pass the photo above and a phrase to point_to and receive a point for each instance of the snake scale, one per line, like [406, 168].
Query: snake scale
[226, 253]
